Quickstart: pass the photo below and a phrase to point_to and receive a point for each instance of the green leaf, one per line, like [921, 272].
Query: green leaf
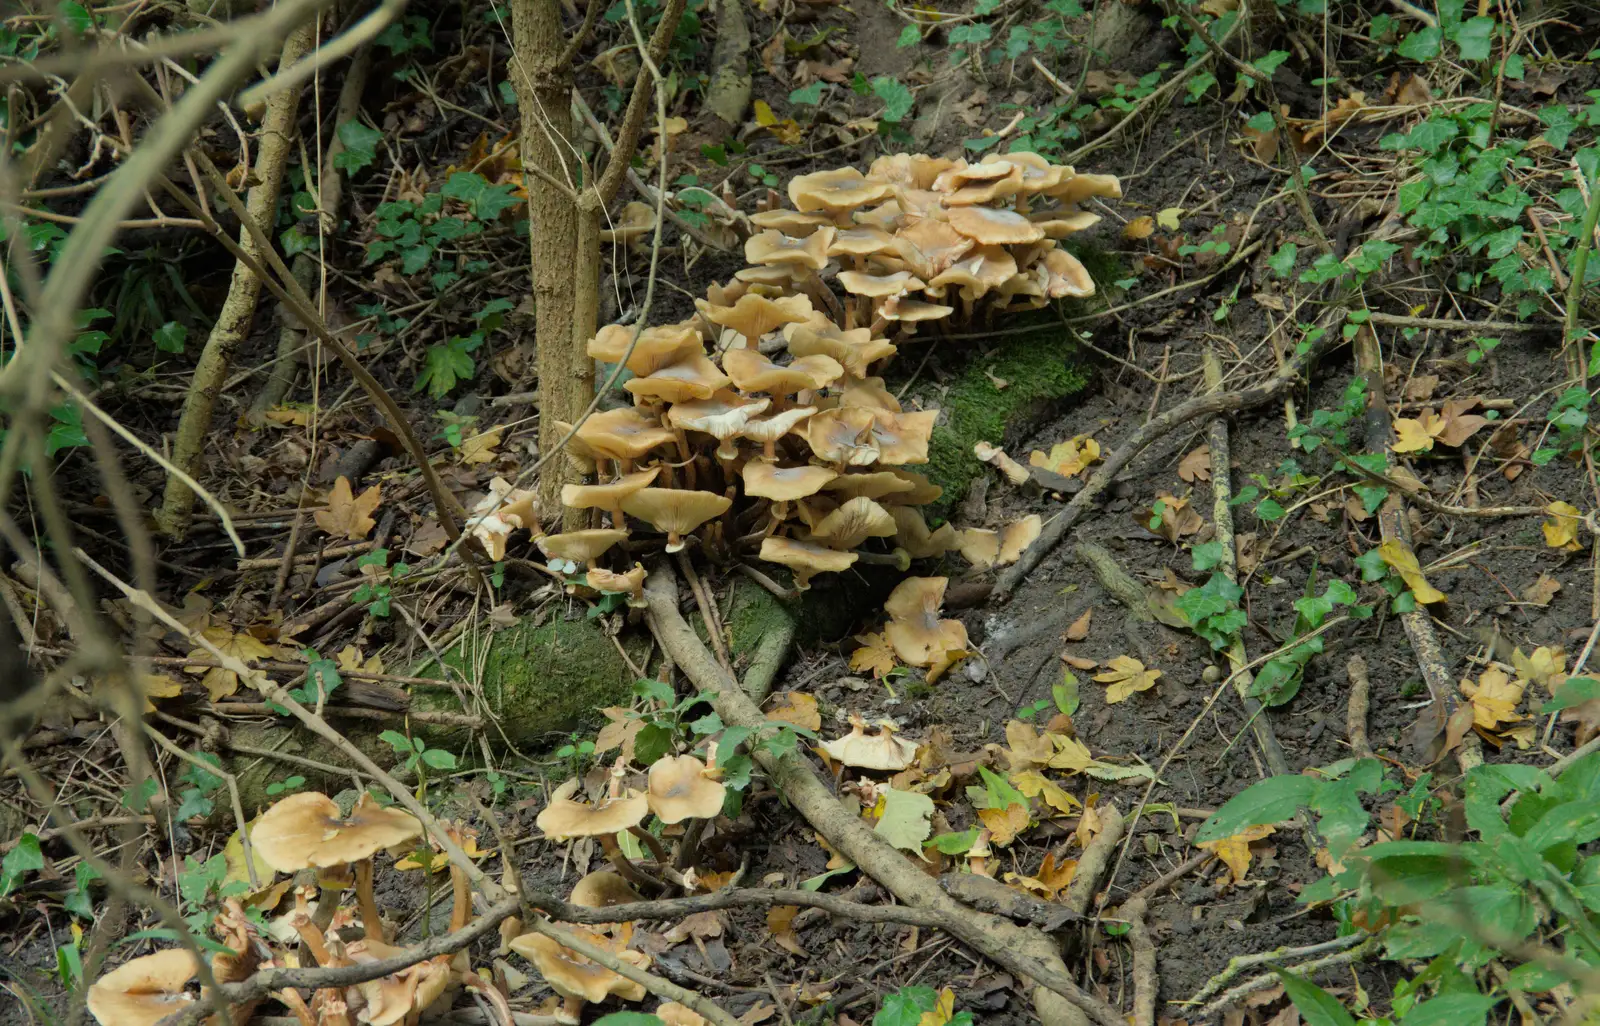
[1270, 63]
[1269, 510]
[360, 146]
[396, 740]
[955, 844]
[79, 20]
[909, 36]
[171, 336]
[1206, 555]
[443, 367]
[906, 1006]
[652, 742]
[1065, 694]
[1455, 1008]
[904, 822]
[439, 759]
[1474, 38]
[66, 429]
[629, 1019]
[811, 94]
[897, 99]
[1272, 800]
[1282, 262]
[25, 857]
[997, 792]
[1570, 692]
[1315, 1005]
[1421, 45]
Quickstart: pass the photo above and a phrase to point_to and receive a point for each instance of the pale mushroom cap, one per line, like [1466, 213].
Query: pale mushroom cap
[804, 559]
[693, 377]
[903, 437]
[623, 434]
[571, 975]
[144, 990]
[680, 790]
[853, 523]
[724, 416]
[912, 534]
[630, 583]
[770, 429]
[784, 484]
[913, 310]
[610, 494]
[581, 546]
[855, 349]
[1000, 181]
[1068, 277]
[870, 393]
[887, 216]
[861, 241]
[305, 831]
[923, 492]
[673, 1014]
[1077, 188]
[658, 347]
[751, 371]
[929, 246]
[636, 221]
[774, 247]
[989, 226]
[676, 511]
[776, 274]
[979, 545]
[877, 286]
[565, 818]
[917, 170]
[882, 751]
[602, 889]
[843, 436]
[836, 190]
[978, 271]
[1019, 536]
[914, 628]
[1059, 224]
[753, 316]
[873, 485]
[790, 222]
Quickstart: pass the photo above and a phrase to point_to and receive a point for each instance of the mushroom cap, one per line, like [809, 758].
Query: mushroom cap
[912, 534]
[805, 559]
[790, 222]
[870, 393]
[979, 545]
[673, 1014]
[753, 372]
[630, 584]
[753, 316]
[680, 790]
[636, 221]
[723, 416]
[677, 511]
[770, 429]
[871, 485]
[1068, 277]
[989, 227]
[902, 437]
[914, 629]
[144, 990]
[492, 524]
[1077, 188]
[922, 492]
[1018, 536]
[887, 216]
[564, 818]
[602, 889]
[836, 191]
[930, 246]
[624, 433]
[581, 546]
[1038, 174]
[784, 484]
[1058, 224]
[774, 247]
[881, 751]
[572, 975]
[610, 494]
[984, 183]
[862, 241]
[855, 349]
[853, 523]
[978, 271]
[913, 310]
[306, 831]
[776, 274]
[693, 377]
[843, 436]
[658, 347]
[877, 286]
[917, 170]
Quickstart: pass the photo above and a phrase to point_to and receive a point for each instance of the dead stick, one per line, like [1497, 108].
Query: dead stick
[1355, 717]
[1146, 981]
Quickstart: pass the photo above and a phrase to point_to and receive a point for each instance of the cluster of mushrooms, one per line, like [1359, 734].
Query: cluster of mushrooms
[330, 853]
[759, 427]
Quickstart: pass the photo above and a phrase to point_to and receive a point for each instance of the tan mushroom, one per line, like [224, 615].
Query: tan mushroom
[979, 545]
[853, 523]
[855, 348]
[871, 485]
[502, 511]
[608, 496]
[912, 534]
[681, 789]
[887, 216]
[911, 311]
[1068, 277]
[657, 347]
[693, 377]
[917, 170]
[902, 437]
[1017, 537]
[882, 751]
[1058, 224]
[564, 819]
[637, 221]
[919, 636]
[753, 372]
[842, 437]
[929, 246]
[602, 889]
[876, 286]
[676, 511]
[790, 222]
[776, 248]
[783, 485]
[779, 275]
[989, 227]
[581, 547]
[1077, 188]
[768, 430]
[805, 560]
[577, 979]
[981, 183]
[976, 273]
[923, 491]
[753, 316]
[307, 831]
[673, 1014]
[723, 416]
[630, 584]
[870, 393]
[861, 242]
[838, 192]
[144, 990]
[623, 435]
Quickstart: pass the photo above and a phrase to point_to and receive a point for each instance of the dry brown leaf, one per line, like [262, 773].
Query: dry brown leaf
[218, 681]
[349, 516]
[1234, 851]
[780, 922]
[1413, 93]
[1139, 228]
[1561, 530]
[1080, 627]
[351, 658]
[619, 732]
[428, 539]
[156, 685]
[1262, 143]
[1196, 466]
[1078, 662]
[1459, 425]
[1541, 591]
[1026, 747]
[1051, 879]
[1125, 675]
[1420, 388]
[875, 654]
[1177, 518]
[1451, 426]
[1494, 696]
[1004, 824]
[798, 709]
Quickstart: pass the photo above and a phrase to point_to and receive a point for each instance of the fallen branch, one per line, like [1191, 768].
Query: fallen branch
[1363, 944]
[1146, 981]
[1024, 951]
[1355, 717]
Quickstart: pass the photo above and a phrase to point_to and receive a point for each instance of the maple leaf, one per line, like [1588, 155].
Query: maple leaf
[1036, 785]
[780, 923]
[1080, 627]
[903, 819]
[348, 516]
[1404, 561]
[156, 685]
[1139, 228]
[350, 658]
[619, 732]
[480, 448]
[1234, 851]
[1545, 667]
[1411, 435]
[219, 681]
[1068, 458]
[1175, 518]
[1456, 424]
[875, 654]
[1561, 530]
[799, 709]
[1026, 747]
[1051, 879]
[1494, 698]
[1541, 591]
[787, 130]
[1004, 824]
[1196, 466]
[1126, 675]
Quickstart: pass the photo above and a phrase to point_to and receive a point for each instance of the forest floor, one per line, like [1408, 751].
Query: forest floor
[1387, 205]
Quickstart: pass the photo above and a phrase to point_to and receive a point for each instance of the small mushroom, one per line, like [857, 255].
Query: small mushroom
[630, 584]
[657, 347]
[910, 311]
[853, 523]
[307, 831]
[608, 496]
[753, 316]
[775, 248]
[753, 372]
[858, 243]
[988, 226]
[855, 348]
[637, 221]
[576, 978]
[1058, 224]
[915, 630]
[503, 510]
[842, 437]
[877, 286]
[623, 435]
[673, 1014]
[981, 183]
[602, 889]
[804, 559]
[564, 819]
[1017, 537]
[693, 377]
[145, 990]
[882, 751]
[872, 485]
[912, 534]
[768, 430]
[918, 170]
[783, 485]
[1068, 277]
[979, 545]
[923, 491]
[581, 547]
[902, 437]
[790, 222]
[838, 192]
[977, 273]
[1077, 188]
[723, 416]
[677, 511]
[680, 789]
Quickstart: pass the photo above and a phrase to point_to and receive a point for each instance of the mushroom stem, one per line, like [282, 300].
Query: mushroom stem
[685, 454]
[814, 286]
[296, 1004]
[652, 842]
[690, 847]
[900, 559]
[490, 993]
[572, 1009]
[312, 939]
[461, 894]
[371, 919]
[630, 872]
[618, 520]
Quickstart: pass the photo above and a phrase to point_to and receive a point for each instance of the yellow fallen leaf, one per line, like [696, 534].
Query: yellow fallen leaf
[1561, 530]
[293, 415]
[1404, 561]
[480, 447]
[786, 130]
[233, 858]
[348, 516]
[1051, 879]
[797, 709]
[943, 1010]
[219, 681]
[875, 654]
[1411, 435]
[1139, 228]
[1068, 458]
[1004, 824]
[1234, 851]
[157, 685]
[1494, 698]
[1026, 747]
[1126, 675]
[350, 658]
[1545, 667]
[1168, 218]
[1034, 784]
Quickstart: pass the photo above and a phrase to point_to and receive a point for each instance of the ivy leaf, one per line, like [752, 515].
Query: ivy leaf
[903, 818]
[897, 98]
[811, 94]
[443, 368]
[360, 147]
[1282, 262]
[1421, 45]
[1473, 37]
[909, 36]
[25, 857]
